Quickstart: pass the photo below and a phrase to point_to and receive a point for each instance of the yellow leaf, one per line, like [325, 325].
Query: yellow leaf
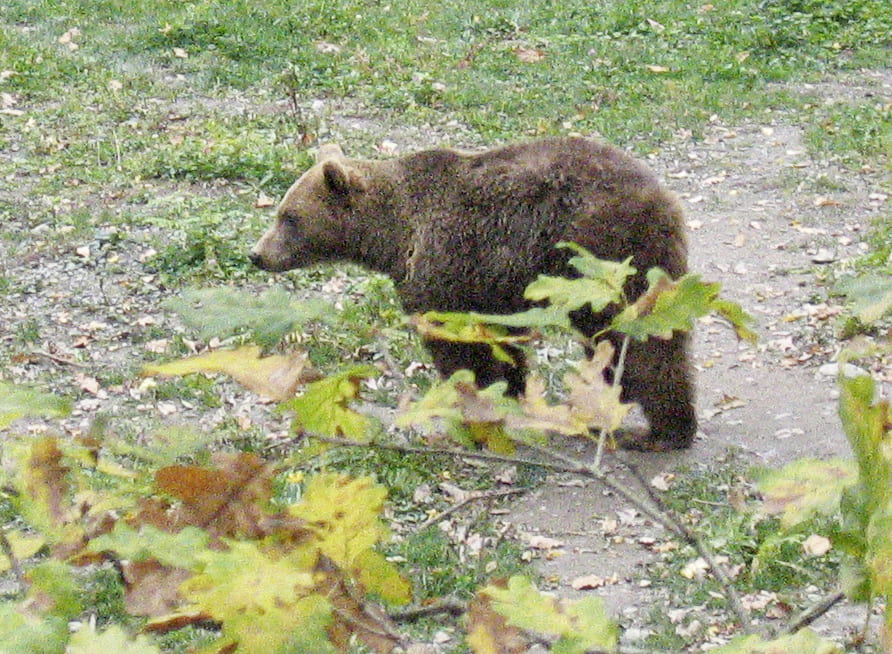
[275, 376]
[657, 69]
[23, 547]
[344, 513]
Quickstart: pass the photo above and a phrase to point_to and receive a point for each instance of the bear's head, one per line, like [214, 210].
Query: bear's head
[312, 219]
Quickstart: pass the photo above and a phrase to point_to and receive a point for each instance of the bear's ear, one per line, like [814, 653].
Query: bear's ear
[329, 151]
[342, 180]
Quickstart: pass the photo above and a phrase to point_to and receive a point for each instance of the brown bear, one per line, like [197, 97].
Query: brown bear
[460, 231]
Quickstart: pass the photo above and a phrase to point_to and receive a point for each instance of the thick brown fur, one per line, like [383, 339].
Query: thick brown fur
[467, 232]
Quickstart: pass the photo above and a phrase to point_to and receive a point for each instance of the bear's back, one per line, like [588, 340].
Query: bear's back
[488, 222]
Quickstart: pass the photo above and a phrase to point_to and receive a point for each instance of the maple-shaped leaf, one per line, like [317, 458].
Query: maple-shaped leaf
[20, 401]
[867, 507]
[470, 415]
[151, 588]
[592, 403]
[804, 641]
[262, 600]
[324, 406]
[805, 488]
[44, 486]
[382, 578]
[666, 306]
[21, 631]
[739, 319]
[113, 639]
[270, 316]
[344, 513]
[55, 590]
[148, 542]
[226, 500]
[590, 397]
[23, 546]
[578, 626]
[868, 427]
[538, 413]
[277, 376]
[467, 328]
[489, 632]
[440, 402]
[601, 284]
[879, 552]
[354, 619]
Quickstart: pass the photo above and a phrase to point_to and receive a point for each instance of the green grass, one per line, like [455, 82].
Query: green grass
[623, 70]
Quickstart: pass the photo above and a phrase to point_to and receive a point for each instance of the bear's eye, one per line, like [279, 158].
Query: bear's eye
[289, 217]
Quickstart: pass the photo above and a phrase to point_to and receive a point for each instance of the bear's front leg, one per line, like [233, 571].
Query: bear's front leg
[449, 357]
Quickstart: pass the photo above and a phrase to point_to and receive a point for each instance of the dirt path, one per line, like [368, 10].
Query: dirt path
[756, 227]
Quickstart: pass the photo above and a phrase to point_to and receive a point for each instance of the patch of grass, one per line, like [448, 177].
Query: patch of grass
[231, 148]
[859, 133]
[619, 69]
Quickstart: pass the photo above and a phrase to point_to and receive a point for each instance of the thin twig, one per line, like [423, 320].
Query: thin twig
[60, 360]
[814, 612]
[655, 511]
[472, 498]
[449, 605]
[681, 529]
[617, 377]
[14, 564]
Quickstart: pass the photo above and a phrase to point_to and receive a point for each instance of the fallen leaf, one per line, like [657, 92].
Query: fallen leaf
[328, 48]
[158, 346]
[587, 582]
[657, 69]
[88, 384]
[695, 569]
[816, 545]
[529, 55]
[661, 482]
[179, 53]
[543, 542]
[264, 201]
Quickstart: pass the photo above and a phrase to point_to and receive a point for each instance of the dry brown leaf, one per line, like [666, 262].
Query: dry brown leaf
[263, 201]
[695, 569]
[538, 542]
[489, 632]
[152, 588]
[816, 545]
[588, 582]
[225, 499]
[88, 384]
[529, 55]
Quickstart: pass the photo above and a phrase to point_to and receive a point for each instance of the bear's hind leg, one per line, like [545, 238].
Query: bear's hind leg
[658, 376]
